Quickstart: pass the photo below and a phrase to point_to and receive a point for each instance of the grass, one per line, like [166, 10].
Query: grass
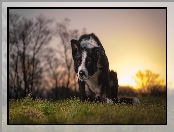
[151, 110]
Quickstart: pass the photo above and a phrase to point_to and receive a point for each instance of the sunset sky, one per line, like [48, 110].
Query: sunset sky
[134, 39]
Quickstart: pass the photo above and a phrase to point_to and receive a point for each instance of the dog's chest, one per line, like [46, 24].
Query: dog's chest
[93, 82]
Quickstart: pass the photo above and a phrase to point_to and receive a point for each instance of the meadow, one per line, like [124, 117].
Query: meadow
[151, 110]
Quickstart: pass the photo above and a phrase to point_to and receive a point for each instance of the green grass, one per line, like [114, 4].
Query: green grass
[151, 110]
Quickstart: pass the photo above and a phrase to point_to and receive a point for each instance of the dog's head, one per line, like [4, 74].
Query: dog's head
[86, 54]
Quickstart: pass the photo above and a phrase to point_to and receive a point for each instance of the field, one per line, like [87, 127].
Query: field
[151, 110]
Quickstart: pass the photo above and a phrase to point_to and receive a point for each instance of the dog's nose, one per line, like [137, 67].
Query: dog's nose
[81, 73]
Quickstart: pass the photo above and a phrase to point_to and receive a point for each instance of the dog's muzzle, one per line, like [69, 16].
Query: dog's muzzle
[81, 73]
[82, 76]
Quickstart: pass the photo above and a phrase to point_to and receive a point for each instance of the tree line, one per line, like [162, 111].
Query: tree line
[148, 83]
[35, 62]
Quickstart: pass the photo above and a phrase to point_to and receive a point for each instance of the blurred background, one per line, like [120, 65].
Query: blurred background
[40, 60]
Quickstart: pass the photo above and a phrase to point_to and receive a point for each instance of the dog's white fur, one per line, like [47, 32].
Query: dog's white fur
[109, 101]
[93, 82]
[90, 43]
[135, 101]
[82, 66]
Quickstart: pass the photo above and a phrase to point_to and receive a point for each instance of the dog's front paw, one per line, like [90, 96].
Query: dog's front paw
[135, 101]
[109, 101]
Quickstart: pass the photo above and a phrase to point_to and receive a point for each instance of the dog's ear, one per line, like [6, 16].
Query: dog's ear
[75, 45]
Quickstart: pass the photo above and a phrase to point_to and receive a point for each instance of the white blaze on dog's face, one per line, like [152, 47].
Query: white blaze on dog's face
[82, 71]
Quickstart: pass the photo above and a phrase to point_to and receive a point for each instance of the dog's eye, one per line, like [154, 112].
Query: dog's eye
[88, 62]
[78, 61]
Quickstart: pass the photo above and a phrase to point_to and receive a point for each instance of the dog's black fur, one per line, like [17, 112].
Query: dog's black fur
[96, 81]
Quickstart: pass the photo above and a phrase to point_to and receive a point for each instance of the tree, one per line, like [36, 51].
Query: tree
[54, 72]
[27, 40]
[64, 51]
[147, 79]
[33, 64]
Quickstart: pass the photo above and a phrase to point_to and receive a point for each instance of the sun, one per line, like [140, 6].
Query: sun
[126, 81]
[125, 76]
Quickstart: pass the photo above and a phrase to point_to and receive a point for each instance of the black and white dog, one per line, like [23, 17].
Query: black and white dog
[96, 81]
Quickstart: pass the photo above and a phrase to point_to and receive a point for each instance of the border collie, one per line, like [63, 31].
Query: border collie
[96, 81]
